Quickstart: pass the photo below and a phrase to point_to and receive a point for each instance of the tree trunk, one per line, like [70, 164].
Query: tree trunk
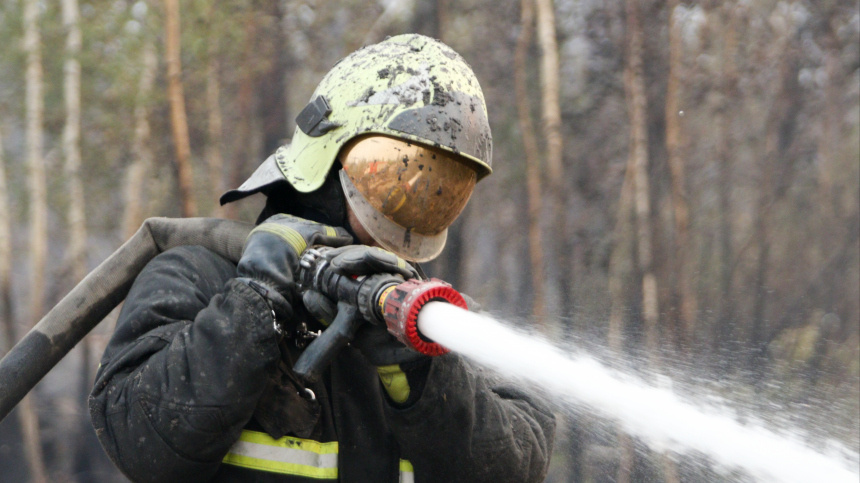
[38, 217]
[214, 158]
[71, 142]
[550, 93]
[551, 116]
[683, 285]
[725, 323]
[637, 112]
[638, 109]
[6, 313]
[178, 119]
[138, 172]
[245, 101]
[26, 414]
[532, 159]
[429, 18]
[621, 262]
[620, 269]
[77, 255]
[682, 280]
[778, 132]
[442, 8]
[829, 146]
[392, 12]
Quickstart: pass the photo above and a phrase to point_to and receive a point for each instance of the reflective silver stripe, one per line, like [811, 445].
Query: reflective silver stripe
[293, 456]
[285, 455]
[407, 474]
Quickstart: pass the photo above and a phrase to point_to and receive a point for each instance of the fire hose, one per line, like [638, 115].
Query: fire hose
[100, 292]
[385, 299]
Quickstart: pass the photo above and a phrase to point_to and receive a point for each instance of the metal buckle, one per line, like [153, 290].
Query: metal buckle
[309, 258]
[275, 323]
[303, 336]
[308, 394]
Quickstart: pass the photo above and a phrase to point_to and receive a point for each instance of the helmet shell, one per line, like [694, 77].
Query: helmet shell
[410, 87]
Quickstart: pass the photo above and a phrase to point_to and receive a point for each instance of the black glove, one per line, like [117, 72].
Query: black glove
[402, 370]
[354, 260]
[365, 260]
[373, 340]
[271, 255]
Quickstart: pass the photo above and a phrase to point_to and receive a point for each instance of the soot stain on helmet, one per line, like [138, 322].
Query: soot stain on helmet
[440, 95]
[367, 95]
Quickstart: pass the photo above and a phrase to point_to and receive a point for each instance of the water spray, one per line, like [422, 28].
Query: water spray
[655, 414]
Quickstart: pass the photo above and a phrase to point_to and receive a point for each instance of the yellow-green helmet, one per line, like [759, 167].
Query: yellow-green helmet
[408, 87]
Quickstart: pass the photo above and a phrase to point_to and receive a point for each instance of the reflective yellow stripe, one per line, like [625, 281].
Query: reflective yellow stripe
[289, 235]
[407, 474]
[292, 456]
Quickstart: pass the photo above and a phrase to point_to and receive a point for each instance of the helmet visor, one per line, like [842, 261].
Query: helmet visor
[419, 189]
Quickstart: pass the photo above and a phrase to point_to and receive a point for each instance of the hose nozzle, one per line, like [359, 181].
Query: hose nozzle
[377, 299]
[400, 304]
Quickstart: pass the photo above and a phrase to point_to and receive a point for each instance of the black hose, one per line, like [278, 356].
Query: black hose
[100, 292]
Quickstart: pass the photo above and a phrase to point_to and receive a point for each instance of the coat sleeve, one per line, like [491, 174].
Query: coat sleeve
[470, 426]
[184, 369]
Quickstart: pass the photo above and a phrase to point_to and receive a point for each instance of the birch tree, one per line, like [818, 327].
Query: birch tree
[75, 217]
[71, 142]
[38, 216]
[550, 93]
[6, 312]
[136, 175]
[551, 120]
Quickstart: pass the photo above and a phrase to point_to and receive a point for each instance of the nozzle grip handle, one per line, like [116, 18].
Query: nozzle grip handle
[319, 353]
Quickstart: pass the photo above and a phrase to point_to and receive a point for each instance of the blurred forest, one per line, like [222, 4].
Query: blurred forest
[676, 185]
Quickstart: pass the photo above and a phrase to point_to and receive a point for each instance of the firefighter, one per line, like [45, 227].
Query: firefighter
[196, 383]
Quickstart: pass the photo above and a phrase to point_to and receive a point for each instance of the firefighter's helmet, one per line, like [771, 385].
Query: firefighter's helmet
[408, 121]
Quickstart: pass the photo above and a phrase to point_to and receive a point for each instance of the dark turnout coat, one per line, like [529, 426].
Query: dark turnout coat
[195, 385]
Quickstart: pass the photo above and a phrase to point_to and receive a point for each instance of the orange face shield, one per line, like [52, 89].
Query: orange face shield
[405, 194]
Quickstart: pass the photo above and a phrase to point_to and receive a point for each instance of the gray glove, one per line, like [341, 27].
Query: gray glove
[271, 255]
[365, 260]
